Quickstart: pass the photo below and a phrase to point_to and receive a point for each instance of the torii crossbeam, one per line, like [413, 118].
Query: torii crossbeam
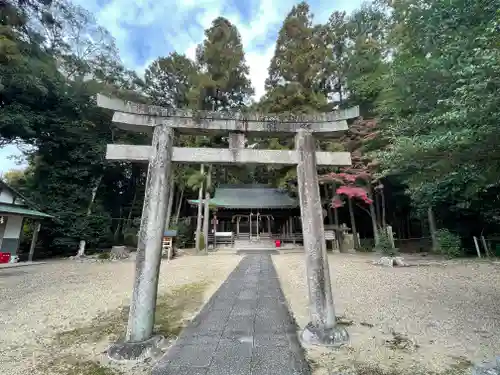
[163, 124]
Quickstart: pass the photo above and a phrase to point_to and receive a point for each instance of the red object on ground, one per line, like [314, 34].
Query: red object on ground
[277, 243]
[4, 257]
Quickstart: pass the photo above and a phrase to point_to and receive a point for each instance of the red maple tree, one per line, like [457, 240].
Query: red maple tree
[355, 182]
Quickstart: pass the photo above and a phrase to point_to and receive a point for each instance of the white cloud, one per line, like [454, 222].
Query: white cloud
[259, 64]
[191, 51]
[175, 26]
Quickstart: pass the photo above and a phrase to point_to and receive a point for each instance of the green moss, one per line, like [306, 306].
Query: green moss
[66, 365]
[462, 367]
[89, 368]
[171, 308]
[104, 255]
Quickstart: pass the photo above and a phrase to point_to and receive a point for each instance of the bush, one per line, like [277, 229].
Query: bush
[366, 245]
[449, 244]
[104, 255]
[384, 244]
[202, 241]
[185, 234]
[130, 239]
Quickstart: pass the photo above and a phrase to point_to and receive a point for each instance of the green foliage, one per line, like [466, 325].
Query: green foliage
[366, 245]
[185, 233]
[384, 244]
[449, 244]
[170, 79]
[195, 180]
[436, 98]
[202, 241]
[104, 255]
[130, 238]
[224, 82]
[365, 50]
[56, 114]
[293, 85]
[440, 106]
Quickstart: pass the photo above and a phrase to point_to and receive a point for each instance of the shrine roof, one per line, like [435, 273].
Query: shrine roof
[250, 196]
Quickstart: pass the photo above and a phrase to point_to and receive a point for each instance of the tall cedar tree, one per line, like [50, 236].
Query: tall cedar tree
[296, 67]
[294, 84]
[224, 82]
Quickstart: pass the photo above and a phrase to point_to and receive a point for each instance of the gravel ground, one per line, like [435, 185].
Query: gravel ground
[448, 312]
[39, 301]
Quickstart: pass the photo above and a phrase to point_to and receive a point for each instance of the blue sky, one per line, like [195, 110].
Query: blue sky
[147, 29]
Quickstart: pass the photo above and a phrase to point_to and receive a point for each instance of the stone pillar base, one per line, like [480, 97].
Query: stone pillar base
[136, 351]
[332, 337]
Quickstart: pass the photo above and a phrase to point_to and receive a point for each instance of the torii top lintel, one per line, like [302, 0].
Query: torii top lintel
[142, 118]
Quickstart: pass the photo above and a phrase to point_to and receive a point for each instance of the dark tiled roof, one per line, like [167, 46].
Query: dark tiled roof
[250, 196]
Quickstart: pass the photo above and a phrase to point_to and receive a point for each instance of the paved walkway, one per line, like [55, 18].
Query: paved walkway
[244, 329]
[20, 264]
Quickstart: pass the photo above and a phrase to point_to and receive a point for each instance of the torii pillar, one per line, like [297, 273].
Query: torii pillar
[139, 336]
[162, 123]
[322, 329]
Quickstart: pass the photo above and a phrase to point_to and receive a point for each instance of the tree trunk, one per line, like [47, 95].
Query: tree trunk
[374, 224]
[408, 225]
[94, 193]
[384, 224]
[170, 204]
[353, 225]
[200, 210]
[81, 248]
[131, 210]
[206, 215]
[179, 206]
[116, 234]
[338, 233]
[97, 183]
[328, 204]
[378, 202]
[34, 238]
[432, 229]
[134, 184]
[373, 217]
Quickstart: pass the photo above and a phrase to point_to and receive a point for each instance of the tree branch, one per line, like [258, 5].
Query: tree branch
[364, 209]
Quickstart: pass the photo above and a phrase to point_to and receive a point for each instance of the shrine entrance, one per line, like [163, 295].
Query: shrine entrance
[164, 124]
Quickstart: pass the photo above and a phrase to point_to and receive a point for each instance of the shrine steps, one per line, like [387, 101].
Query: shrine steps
[262, 246]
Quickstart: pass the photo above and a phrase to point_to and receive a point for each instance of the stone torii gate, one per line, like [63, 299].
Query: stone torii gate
[164, 124]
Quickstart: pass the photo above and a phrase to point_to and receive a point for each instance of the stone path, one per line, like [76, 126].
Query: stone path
[244, 329]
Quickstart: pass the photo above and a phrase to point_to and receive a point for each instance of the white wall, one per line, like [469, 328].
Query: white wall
[13, 227]
[10, 240]
[6, 195]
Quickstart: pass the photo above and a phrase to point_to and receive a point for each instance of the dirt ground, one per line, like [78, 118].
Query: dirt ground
[435, 318]
[65, 309]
